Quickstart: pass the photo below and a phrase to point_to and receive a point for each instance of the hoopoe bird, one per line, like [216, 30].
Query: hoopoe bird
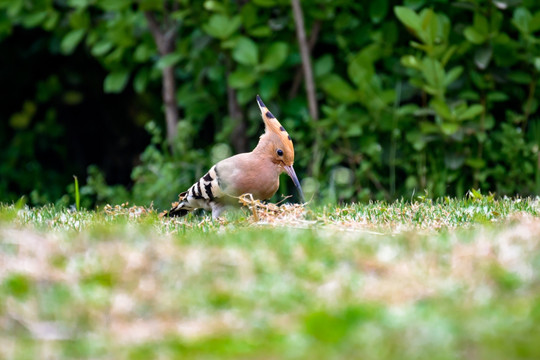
[256, 173]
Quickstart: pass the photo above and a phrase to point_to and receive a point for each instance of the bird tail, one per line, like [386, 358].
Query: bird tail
[179, 208]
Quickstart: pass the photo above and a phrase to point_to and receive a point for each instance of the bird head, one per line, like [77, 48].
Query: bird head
[278, 144]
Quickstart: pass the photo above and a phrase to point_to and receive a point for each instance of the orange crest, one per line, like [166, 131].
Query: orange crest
[274, 127]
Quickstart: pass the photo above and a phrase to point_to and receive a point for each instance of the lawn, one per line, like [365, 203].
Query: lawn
[423, 279]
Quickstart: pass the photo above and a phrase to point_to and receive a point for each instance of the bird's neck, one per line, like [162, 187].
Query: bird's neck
[264, 148]
[264, 153]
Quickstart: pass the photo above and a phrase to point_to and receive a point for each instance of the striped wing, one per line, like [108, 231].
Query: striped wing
[200, 195]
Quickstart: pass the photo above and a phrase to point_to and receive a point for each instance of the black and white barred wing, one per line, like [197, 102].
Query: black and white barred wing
[202, 195]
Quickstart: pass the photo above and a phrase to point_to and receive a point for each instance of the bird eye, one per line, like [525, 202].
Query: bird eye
[280, 152]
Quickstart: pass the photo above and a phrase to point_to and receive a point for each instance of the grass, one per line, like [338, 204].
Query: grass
[450, 279]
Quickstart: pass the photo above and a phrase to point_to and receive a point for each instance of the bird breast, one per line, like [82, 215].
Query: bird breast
[247, 173]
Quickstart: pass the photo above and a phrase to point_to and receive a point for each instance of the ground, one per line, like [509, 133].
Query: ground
[423, 279]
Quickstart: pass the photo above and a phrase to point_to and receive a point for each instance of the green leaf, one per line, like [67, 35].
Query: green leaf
[101, 48]
[216, 6]
[22, 119]
[449, 128]
[246, 52]
[79, 20]
[469, 95]
[416, 139]
[481, 24]
[435, 28]
[323, 65]
[535, 22]
[242, 78]
[497, 96]
[71, 40]
[471, 112]
[115, 56]
[442, 109]
[150, 5]
[181, 15]
[482, 56]
[142, 53]
[478, 79]
[520, 77]
[431, 90]
[51, 21]
[13, 7]
[378, 10]
[473, 36]
[433, 73]
[250, 18]
[141, 80]
[114, 5]
[116, 81]
[408, 17]
[452, 75]
[522, 20]
[537, 63]
[427, 127]
[34, 19]
[221, 26]
[361, 69]
[79, 4]
[410, 61]
[260, 31]
[168, 60]
[406, 110]
[269, 86]
[422, 47]
[275, 56]
[245, 96]
[476, 163]
[338, 88]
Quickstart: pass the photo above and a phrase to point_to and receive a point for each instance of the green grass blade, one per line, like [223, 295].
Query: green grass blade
[77, 194]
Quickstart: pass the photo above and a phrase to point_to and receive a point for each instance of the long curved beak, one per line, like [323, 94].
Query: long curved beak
[292, 174]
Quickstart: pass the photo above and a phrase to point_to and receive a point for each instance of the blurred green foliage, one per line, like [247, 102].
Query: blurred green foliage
[414, 95]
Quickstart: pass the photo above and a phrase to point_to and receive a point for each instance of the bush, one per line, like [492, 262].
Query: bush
[415, 95]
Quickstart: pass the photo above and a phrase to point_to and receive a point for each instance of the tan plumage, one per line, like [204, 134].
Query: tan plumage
[256, 172]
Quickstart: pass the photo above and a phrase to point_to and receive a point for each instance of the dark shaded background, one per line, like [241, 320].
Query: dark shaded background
[87, 127]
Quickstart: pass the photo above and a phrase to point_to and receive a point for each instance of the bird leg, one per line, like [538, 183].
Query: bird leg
[217, 209]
